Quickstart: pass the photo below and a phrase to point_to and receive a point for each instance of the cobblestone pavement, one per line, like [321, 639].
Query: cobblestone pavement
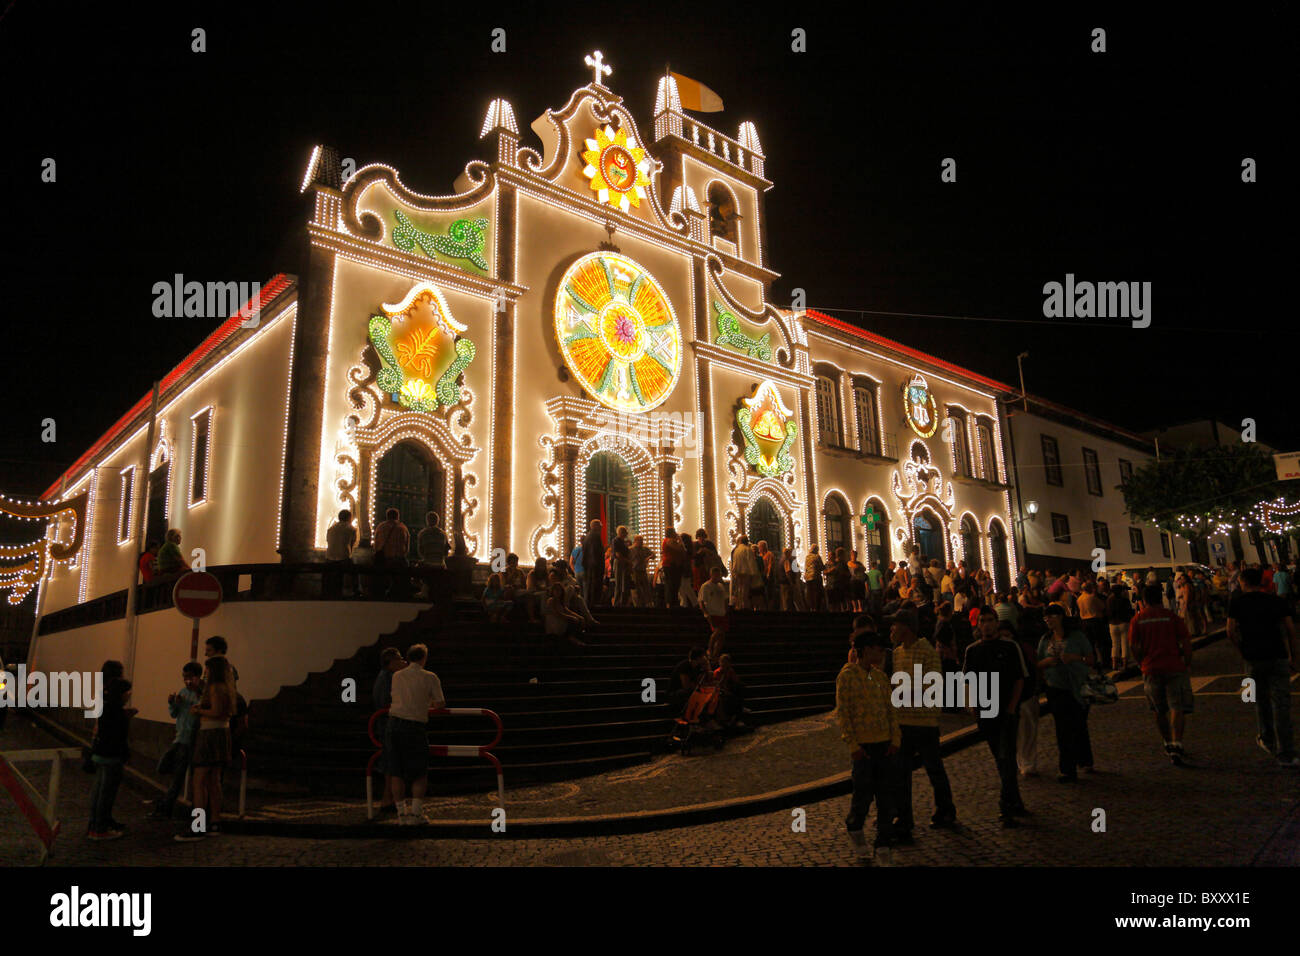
[1229, 806]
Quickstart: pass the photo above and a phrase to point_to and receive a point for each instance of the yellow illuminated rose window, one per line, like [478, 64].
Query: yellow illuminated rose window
[617, 167]
[617, 332]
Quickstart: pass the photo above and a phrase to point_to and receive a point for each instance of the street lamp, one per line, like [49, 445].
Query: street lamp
[1031, 509]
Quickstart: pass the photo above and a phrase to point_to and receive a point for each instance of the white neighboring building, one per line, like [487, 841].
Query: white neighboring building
[1072, 464]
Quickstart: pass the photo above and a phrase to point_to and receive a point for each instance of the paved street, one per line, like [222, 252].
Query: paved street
[1230, 806]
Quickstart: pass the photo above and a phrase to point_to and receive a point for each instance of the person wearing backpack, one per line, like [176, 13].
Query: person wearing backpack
[1064, 658]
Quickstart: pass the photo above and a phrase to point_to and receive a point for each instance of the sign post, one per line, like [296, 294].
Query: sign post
[196, 595]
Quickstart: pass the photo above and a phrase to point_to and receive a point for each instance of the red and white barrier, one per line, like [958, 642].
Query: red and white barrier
[41, 815]
[441, 750]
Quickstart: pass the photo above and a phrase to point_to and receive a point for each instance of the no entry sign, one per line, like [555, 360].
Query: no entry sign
[197, 594]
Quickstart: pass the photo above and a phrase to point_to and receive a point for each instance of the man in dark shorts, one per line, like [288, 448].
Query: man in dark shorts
[390, 662]
[1260, 625]
[1161, 644]
[415, 692]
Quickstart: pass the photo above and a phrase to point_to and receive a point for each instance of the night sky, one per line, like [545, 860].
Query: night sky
[1123, 166]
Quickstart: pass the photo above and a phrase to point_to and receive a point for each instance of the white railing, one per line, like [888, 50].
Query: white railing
[672, 122]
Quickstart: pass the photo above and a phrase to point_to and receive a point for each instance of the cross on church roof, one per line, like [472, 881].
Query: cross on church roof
[598, 66]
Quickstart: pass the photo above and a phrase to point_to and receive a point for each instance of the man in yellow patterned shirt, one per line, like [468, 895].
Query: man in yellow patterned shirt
[870, 728]
[919, 724]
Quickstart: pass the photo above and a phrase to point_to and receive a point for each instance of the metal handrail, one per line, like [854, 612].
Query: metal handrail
[440, 750]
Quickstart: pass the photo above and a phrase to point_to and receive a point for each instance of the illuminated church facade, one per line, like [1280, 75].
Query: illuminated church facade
[582, 329]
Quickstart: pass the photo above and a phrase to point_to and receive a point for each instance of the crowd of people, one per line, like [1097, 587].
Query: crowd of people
[1055, 637]
[1047, 634]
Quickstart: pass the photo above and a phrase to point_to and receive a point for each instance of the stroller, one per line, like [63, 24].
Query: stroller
[698, 722]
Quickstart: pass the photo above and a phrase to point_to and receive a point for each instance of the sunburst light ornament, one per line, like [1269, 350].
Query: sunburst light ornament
[618, 168]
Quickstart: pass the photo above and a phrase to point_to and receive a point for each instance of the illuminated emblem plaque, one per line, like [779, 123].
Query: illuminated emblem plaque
[618, 169]
[769, 430]
[617, 332]
[919, 407]
[421, 350]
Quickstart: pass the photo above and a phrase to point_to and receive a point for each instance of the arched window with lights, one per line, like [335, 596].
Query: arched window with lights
[960, 447]
[828, 409]
[864, 407]
[987, 452]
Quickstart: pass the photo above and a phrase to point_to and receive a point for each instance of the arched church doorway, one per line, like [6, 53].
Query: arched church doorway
[929, 536]
[1001, 564]
[611, 494]
[765, 524]
[876, 532]
[970, 544]
[410, 480]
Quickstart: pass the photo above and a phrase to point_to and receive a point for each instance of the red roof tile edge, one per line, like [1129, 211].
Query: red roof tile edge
[274, 286]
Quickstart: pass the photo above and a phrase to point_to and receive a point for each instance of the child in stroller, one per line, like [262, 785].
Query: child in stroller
[698, 720]
[712, 706]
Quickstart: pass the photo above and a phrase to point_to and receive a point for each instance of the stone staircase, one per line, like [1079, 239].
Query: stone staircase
[567, 712]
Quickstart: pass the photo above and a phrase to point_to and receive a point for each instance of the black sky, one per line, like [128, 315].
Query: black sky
[1123, 166]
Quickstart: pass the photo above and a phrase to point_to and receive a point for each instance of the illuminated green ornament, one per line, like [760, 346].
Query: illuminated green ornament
[730, 335]
[447, 390]
[465, 239]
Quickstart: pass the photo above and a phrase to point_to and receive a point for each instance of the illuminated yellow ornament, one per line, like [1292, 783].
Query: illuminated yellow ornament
[417, 393]
[618, 168]
[617, 332]
[769, 431]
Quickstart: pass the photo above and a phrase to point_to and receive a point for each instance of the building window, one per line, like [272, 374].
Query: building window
[1092, 471]
[864, 404]
[1101, 535]
[828, 411]
[1164, 544]
[960, 453]
[1135, 542]
[1126, 471]
[723, 216]
[124, 508]
[1060, 528]
[200, 443]
[988, 466]
[1052, 461]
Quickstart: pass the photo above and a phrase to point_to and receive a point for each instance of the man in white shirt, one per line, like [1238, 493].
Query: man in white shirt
[341, 538]
[713, 599]
[416, 691]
